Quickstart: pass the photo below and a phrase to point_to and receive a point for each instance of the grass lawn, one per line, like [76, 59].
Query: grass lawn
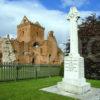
[29, 89]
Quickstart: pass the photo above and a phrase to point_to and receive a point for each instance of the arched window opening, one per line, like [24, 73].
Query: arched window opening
[0, 55]
[33, 61]
[41, 51]
[37, 33]
[49, 57]
[36, 45]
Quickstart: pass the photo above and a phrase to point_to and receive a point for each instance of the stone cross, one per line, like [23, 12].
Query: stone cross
[73, 17]
[74, 80]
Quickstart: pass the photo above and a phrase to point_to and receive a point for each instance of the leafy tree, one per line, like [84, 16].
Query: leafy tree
[90, 25]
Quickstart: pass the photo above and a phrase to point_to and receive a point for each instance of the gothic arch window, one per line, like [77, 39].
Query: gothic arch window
[49, 57]
[25, 20]
[0, 55]
[15, 51]
[41, 50]
[36, 45]
[37, 33]
[33, 61]
[22, 33]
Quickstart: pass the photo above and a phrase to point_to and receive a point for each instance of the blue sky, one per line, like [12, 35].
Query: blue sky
[50, 13]
[63, 5]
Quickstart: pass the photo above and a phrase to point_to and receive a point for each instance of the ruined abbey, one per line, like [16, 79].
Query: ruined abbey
[30, 46]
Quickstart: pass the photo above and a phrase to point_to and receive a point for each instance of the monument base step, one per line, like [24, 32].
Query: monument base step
[74, 88]
[94, 94]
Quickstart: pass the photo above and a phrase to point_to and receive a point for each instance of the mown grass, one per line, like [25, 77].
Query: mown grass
[94, 83]
[30, 89]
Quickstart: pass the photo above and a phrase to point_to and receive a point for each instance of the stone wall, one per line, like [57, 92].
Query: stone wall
[8, 55]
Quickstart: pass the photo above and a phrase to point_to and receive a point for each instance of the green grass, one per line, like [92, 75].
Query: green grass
[29, 89]
[94, 83]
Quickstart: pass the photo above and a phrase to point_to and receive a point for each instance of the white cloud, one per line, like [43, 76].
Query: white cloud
[11, 14]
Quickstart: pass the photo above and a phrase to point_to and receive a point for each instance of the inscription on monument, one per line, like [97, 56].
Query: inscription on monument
[71, 65]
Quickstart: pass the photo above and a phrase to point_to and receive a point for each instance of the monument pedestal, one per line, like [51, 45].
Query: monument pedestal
[74, 81]
[75, 89]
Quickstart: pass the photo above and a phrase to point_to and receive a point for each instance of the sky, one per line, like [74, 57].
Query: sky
[51, 14]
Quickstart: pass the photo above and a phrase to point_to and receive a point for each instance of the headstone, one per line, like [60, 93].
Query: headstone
[74, 80]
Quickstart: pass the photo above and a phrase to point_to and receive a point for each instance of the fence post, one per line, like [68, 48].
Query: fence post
[17, 72]
[36, 72]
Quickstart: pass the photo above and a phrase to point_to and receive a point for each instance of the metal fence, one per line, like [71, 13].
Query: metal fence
[20, 71]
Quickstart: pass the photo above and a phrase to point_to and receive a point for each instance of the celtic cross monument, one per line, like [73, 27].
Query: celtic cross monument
[74, 80]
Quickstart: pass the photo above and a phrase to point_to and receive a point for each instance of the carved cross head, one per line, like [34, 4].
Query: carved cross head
[73, 14]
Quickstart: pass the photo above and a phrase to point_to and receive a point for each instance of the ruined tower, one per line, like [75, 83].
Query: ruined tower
[28, 31]
[31, 47]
